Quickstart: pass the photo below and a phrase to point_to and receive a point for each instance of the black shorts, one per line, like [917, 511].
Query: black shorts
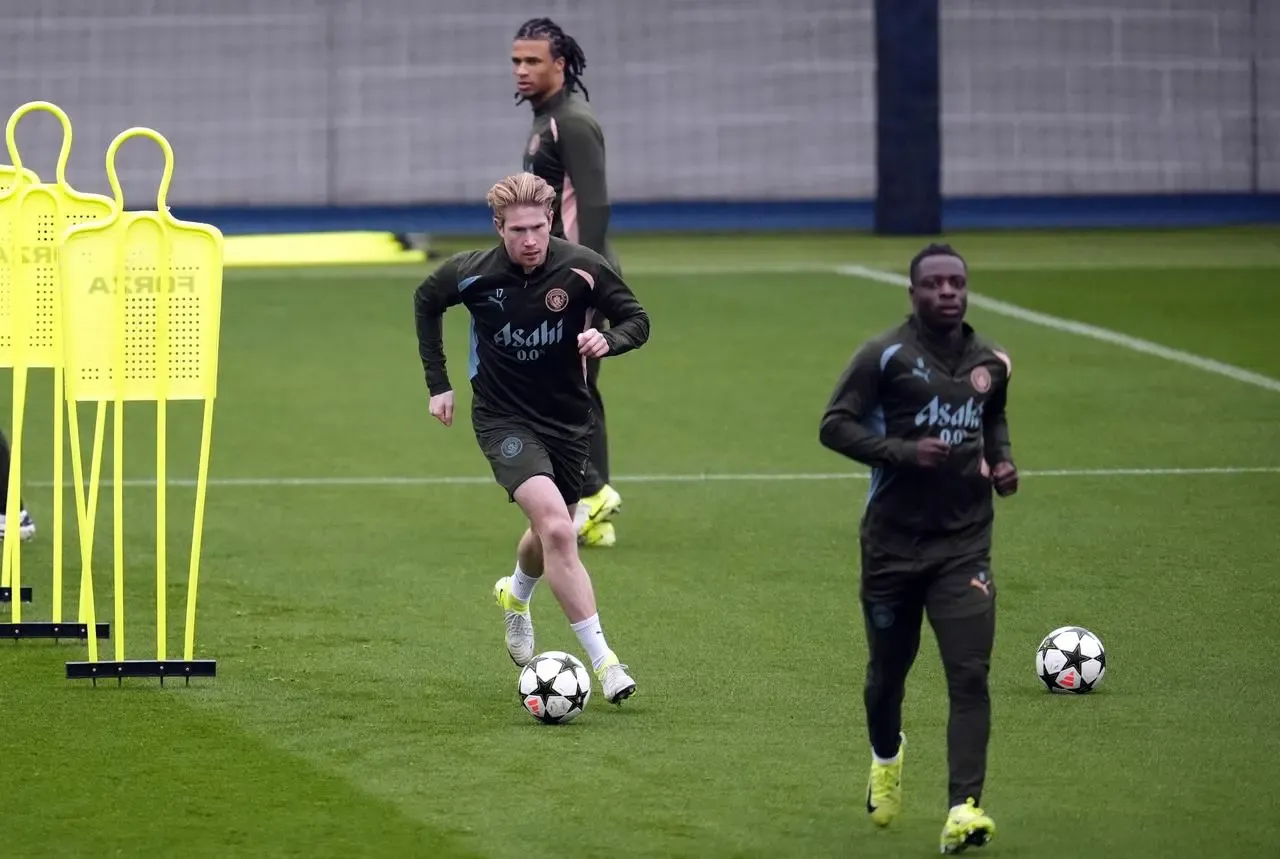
[948, 587]
[516, 452]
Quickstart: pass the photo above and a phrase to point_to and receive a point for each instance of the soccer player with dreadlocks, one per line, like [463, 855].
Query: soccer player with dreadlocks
[566, 149]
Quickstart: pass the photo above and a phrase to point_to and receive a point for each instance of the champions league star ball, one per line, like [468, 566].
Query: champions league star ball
[1071, 659]
[555, 687]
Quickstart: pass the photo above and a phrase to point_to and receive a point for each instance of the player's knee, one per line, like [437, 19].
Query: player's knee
[558, 536]
[548, 516]
[967, 679]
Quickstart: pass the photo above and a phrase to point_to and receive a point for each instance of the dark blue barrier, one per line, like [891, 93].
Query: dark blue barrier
[1128, 210]
[1151, 211]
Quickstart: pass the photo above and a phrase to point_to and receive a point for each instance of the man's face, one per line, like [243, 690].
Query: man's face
[940, 294]
[537, 75]
[525, 231]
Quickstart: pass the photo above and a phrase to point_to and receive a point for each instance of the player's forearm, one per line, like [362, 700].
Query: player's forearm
[431, 350]
[847, 436]
[430, 300]
[996, 445]
[627, 333]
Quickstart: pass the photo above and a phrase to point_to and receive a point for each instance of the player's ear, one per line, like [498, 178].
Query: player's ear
[497, 224]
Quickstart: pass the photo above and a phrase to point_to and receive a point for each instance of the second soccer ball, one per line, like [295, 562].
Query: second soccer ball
[1071, 659]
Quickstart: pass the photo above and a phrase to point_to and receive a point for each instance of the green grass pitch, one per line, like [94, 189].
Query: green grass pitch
[365, 705]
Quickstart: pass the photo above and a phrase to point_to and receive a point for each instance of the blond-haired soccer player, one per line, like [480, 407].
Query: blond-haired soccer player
[531, 299]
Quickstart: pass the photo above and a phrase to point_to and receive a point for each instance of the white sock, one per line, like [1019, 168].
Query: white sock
[884, 761]
[591, 636]
[580, 514]
[522, 585]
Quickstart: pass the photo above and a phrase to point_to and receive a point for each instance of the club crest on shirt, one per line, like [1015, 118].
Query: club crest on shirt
[980, 378]
[534, 143]
[557, 300]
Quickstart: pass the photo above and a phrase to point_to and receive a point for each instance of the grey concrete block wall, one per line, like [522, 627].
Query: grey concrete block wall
[398, 101]
[1267, 38]
[1095, 96]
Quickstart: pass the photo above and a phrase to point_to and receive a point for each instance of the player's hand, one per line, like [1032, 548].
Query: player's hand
[1005, 477]
[591, 344]
[931, 452]
[442, 408]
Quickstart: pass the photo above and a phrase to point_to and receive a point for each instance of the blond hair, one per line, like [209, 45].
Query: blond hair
[522, 189]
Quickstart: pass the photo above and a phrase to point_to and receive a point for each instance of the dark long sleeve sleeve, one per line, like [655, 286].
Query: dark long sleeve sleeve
[436, 294]
[582, 147]
[628, 321]
[996, 445]
[844, 427]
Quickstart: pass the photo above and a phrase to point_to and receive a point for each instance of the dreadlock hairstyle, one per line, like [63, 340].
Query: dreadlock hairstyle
[562, 46]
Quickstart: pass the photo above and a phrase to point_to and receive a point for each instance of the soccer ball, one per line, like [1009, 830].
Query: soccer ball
[555, 687]
[1071, 659]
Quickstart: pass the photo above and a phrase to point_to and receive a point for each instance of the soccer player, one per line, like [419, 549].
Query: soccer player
[26, 525]
[566, 148]
[531, 299]
[924, 405]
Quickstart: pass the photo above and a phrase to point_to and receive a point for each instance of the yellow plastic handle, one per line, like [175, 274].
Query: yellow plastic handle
[165, 177]
[11, 139]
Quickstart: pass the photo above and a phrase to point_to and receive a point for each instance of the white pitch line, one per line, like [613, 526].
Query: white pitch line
[1104, 263]
[1082, 329]
[745, 477]
[1149, 472]
[413, 272]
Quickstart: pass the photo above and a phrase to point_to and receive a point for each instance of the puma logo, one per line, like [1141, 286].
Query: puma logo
[980, 582]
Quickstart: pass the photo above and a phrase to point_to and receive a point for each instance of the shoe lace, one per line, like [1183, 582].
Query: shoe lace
[611, 673]
[518, 623]
[883, 780]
